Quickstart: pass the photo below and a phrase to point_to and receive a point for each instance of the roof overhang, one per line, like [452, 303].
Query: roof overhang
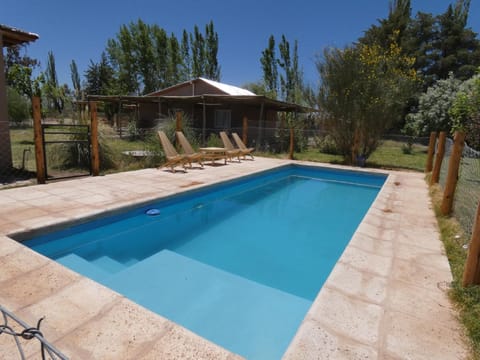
[208, 100]
[12, 36]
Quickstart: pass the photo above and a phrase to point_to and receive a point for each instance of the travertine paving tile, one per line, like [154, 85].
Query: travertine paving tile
[314, 341]
[352, 318]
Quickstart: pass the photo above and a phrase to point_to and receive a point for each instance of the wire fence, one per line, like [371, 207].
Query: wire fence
[16, 334]
[467, 192]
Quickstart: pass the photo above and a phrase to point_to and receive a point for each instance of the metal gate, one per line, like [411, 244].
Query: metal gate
[66, 150]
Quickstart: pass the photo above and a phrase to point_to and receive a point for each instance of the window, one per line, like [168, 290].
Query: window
[223, 119]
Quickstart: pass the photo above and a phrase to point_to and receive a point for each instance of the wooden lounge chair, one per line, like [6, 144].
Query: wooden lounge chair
[242, 147]
[230, 150]
[188, 150]
[173, 157]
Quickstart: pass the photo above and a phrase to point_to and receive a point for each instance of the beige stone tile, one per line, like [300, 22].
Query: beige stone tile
[17, 262]
[71, 307]
[421, 255]
[372, 245]
[316, 342]
[366, 261]
[408, 338]
[419, 275]
[424, 304]
[125, 331]
[35, 285]
[350, 317]
[179, 343]
[357, 284]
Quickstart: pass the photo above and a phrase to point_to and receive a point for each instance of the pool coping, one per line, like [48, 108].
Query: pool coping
[368, 307]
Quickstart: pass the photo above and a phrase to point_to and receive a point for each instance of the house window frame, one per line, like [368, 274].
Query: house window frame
[225, 121]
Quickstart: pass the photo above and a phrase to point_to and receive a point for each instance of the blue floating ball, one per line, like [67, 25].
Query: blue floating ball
[152, 212]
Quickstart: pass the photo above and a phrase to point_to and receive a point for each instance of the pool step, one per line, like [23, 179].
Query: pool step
[108, 264]
[248, 318]
[82, 266]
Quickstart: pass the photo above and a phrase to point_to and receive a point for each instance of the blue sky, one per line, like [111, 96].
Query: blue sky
[79, 30]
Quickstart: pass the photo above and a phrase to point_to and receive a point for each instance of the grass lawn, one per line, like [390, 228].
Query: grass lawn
[389, 155]
[466, 299]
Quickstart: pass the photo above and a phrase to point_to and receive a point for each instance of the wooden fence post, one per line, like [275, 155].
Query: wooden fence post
[292, 134]
[431, 151]
[178, 127]
[437, 166]
[38, 138]
[178, 121]
[245, 130]
[471, 274]
[94, 138]
[452, 176]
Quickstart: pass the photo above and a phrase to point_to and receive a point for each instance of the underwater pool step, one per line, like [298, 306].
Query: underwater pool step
[248, 318]
[109, 264]
[82, 266]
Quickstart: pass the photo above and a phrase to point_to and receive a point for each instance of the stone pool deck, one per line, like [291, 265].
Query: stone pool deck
[385, 298]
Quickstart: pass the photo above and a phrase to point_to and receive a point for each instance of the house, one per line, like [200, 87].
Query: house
[211, 107]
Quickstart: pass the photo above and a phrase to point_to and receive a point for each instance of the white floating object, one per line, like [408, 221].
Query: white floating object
[152, 212]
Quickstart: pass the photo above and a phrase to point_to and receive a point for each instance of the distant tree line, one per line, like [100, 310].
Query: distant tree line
[138, 60]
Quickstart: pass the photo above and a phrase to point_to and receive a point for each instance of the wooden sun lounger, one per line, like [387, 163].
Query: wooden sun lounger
[242, 147]
[191, 154]
[173, 157]
[229, 148]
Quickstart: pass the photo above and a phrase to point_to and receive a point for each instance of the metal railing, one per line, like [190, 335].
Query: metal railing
[47, 350]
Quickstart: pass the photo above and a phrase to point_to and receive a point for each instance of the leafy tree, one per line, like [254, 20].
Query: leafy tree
[161, 53]
[433, 108]
[174, 66]
[269, 67]
[77, 87]
[458, 46]
[398, 20]
[18, 106]
[212, 69]
[122, 58]
[18, 70]
[440, 44]
[363, 92]
[99, 77]
[198, 52]
[289, 76]
[465, 110]
[186, 57]
[55, 94]
[144, 58]
[145, 55]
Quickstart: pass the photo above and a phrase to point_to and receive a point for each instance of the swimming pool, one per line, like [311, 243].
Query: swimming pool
[238, 263]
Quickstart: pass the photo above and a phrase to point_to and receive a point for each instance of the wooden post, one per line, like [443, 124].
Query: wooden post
[245, 130]
[38, 138]
[437, 166]
[431, 151]
[471, 274]
[178, 127]
[292, 134]
[94, 138]
[452, 176]
[178, 122]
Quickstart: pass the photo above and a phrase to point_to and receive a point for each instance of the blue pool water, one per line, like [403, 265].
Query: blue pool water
[238, 263]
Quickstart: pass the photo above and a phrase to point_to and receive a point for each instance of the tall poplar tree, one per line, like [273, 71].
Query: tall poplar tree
[269, 67]
[197, 43]
[54, 93]
[212, 69]
[77, 87]
[186, 57]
